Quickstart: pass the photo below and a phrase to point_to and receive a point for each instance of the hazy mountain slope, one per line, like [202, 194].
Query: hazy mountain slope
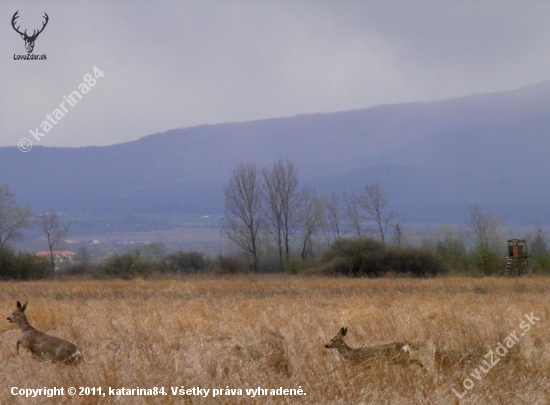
[434, 158]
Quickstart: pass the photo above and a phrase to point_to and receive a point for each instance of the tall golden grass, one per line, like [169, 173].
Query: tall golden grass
[270, 332]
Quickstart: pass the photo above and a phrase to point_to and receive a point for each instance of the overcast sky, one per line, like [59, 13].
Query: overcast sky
[173, 64]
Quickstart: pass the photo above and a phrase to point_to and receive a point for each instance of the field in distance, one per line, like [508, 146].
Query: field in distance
[270, 332]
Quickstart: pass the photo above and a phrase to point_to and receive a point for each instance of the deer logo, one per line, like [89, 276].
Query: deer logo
[29, 40]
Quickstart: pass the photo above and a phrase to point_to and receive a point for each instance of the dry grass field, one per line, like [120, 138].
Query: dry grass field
[269, 332]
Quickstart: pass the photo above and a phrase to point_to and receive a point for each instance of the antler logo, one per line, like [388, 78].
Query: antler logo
[29, 40]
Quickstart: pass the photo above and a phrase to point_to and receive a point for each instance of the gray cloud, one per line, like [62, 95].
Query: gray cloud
[182, 63]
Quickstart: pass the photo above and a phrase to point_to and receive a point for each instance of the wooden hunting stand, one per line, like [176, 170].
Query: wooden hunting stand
[517, 251]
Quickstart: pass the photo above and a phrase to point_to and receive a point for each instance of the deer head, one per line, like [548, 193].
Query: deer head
[29, 40]
[337, 340]
[19, 314]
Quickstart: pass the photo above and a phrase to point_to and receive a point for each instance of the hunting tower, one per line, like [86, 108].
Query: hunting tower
[517, 252]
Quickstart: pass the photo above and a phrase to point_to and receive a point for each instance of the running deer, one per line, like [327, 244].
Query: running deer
[41, 345]
[388, 353]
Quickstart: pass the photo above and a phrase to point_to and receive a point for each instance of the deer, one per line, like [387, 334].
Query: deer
[41, 345]
[388, 353]
[29, 40]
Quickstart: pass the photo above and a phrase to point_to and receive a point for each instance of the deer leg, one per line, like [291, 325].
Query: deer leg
[17, 347]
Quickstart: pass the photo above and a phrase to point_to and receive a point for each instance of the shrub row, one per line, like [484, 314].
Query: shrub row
[22, 266]
[372, 258]
[130, 266]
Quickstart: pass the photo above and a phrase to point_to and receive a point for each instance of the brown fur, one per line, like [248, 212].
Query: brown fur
[389, 353]
[41, 345]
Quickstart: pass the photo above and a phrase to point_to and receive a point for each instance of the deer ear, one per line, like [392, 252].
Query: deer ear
[23, 36]
[24, 306]
[344, 331]
[18, 305]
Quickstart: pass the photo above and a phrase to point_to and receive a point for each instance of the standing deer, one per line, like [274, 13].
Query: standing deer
[388, 353]
[29, 40]
[41, 345]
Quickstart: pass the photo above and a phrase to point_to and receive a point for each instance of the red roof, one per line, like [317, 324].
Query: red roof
[56, 253]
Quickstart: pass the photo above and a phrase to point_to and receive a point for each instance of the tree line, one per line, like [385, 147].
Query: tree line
[266, 206]
[279, 225]
[267, 212]
[14, 219]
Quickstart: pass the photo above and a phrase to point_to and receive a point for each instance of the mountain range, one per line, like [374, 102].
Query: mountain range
[434, 159]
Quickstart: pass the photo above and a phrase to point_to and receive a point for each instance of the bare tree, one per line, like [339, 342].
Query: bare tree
[352, 209]
[537, 246]
[84, 260]
[486, 230]
[312, 209]
[282, 199]
[13, 219]
[55, 231]
[397, 233]
[375, 203]
[332, 218]
[479, 225]
[243, 206]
